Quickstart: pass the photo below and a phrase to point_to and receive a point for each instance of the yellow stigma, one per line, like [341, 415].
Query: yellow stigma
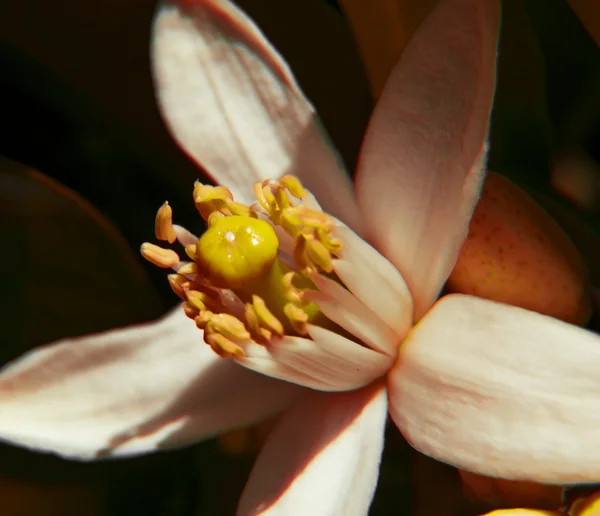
[235, 250]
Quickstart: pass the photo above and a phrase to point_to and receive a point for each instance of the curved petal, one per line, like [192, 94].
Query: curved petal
[423, 159]
[500, 391]
[373, 280]
[232, 103]
[329, 362]
[130, 391]
[322, 458]
[343, 308]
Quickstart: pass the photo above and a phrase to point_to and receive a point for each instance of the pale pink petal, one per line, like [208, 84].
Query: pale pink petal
[129, 391]
[184, 237]
[374, 281]
[260, 360]
[329, 362]
[500, 391]
[423, 159]
[322, 458]
[232, 103]
[340, 305]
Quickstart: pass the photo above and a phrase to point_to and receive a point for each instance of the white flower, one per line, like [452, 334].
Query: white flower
[525, 405]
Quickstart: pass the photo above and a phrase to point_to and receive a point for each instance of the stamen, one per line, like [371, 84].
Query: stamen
[223, 346]
[163, 225]
[197, 299]
[294, 186]
[190, 311]
[297, 317]
[258, 333]
[163, 258]
[213, 218]
[190, 250]
[188, 269]
[266, 318]
[210, 199]
[238, 254]
[292, 294]
[177, 283]
[311, 229]
[300, 256]
[229, 326]
[319, 255]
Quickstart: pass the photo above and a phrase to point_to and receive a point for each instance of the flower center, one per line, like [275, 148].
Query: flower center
[235, 250]
[246, 282]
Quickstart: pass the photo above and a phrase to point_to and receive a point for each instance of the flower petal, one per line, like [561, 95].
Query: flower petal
[129, 391]
[322, 458]
[374, 281]
[232, 103]
[329, 362]
[340, 305]
[500, 391]
[423, 159]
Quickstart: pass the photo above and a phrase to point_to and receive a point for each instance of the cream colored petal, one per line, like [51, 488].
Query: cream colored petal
[130, 391]
[259, 359]
[500, 391]
[340, 305]
[322, 458]
[374, 281]
[423, 158]
[184, 237]
[232, 103]
[329, 362]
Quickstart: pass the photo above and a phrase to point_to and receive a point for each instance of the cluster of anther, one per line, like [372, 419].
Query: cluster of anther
[237, 259]
[311, 229]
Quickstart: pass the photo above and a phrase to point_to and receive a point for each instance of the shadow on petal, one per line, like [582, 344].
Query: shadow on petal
[322, 457]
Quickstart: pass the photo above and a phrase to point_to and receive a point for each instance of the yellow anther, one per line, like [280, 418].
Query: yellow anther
[197, 299]
[240, 209]
[229, 326]
[163, 225]
[258, 193]
[319, 255]
[294, 186]
[292, 294]
[213, 218]
[190, 250]
[308, 218]
[258, 333]
[178, 284]
[297, 317]
[266, 193]
[188, 269]
[203, 318]
[222, 346]
[283, 201]
[333, 245]
[164, 258]
[235, 250]
[207, 193]
[266, 318]
[191, 311]
[210, 199]
[299, 255]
